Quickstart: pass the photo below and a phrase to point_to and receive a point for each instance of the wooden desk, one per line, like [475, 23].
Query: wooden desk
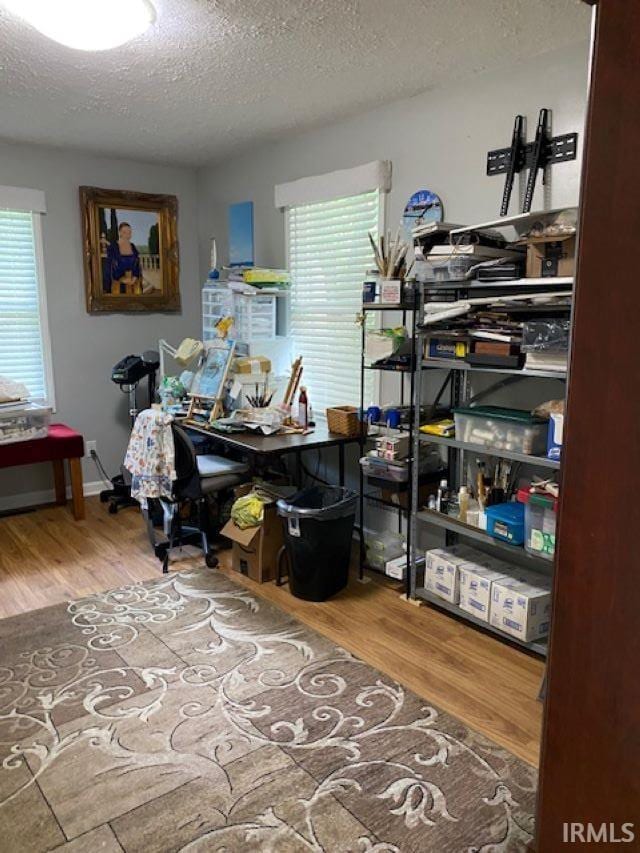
[257, 444]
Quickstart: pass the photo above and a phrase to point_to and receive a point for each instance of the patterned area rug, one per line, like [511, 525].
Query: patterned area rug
[187, 714]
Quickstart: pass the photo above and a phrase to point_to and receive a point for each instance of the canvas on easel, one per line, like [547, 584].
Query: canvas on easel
[209, 381]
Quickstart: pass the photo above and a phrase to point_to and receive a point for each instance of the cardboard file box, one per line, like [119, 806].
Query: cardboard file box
[476, 582]
[255, 549]
[441, 576]
[521, 608]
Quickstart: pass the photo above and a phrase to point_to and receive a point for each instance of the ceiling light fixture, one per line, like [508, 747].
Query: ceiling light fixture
[86, 24]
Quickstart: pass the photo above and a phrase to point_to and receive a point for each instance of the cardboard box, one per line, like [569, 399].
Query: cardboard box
[397, 568]
[476, 582]
[255, 549]
[252, 364]
[551, 256]
[554, 439]
[441, 576]
[392, 447]
[521, 608]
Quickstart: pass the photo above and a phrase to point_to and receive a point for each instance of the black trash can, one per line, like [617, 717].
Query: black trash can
[318, 532]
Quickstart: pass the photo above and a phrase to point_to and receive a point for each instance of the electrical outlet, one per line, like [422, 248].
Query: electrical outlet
[89, 448]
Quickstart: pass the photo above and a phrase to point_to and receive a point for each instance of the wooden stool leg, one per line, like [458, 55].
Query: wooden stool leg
[59, 481]
[77, 494]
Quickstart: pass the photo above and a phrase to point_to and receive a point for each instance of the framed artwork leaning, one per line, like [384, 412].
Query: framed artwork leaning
[130, 249]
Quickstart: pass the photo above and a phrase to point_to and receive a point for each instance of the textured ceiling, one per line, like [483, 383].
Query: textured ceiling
[213, 76]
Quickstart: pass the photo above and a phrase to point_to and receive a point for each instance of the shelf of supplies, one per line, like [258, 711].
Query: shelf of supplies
[539, 647]
[388, 306]
[460, 364]
[446, 522]
[387, 369]
[540, 461]
[518, 219]
[475, 284]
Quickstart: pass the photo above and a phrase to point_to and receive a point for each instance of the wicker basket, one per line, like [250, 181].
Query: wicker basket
[344, 420]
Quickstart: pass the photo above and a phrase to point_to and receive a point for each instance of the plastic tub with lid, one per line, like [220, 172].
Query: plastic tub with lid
[498, 428]
[540, 517]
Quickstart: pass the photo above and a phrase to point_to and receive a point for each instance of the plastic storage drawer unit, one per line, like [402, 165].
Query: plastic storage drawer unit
[255, 317]
[506, 522]
[540, 523]
[502, 429]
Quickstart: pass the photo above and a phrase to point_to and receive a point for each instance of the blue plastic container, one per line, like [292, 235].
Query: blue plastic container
[506, 522]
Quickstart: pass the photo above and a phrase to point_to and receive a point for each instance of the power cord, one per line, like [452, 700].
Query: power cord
[100, 467]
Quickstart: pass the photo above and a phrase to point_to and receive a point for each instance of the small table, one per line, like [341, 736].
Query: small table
[61, 443]
[257, 444]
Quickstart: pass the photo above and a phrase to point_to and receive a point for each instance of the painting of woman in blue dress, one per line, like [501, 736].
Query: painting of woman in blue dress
[129, 249]
[123, 259]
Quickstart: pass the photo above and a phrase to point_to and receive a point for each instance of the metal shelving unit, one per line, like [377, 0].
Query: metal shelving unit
[406, 309]
[460, 377]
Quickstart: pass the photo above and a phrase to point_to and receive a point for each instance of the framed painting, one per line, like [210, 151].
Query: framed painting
[130, 247]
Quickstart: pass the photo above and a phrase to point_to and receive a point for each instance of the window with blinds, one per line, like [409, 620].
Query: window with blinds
[328, 255]
[22, 350]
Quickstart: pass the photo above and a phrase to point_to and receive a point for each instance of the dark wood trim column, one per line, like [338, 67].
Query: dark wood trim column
[590, 770]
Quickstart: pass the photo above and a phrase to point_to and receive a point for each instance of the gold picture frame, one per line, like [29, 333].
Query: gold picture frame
[130, 250]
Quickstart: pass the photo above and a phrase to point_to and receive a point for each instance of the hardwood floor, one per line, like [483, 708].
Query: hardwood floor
[46, 557]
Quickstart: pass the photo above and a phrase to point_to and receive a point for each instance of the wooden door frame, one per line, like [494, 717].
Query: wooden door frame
[590, 767]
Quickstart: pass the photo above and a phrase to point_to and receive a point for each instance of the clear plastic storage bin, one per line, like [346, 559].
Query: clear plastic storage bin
[375, 466]
[22, 423]
[539, 523]
[255, 317]
[502, 429]
[381, 547]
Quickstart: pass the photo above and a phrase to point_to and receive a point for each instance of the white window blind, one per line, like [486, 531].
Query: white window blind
[328, 254]
[22, 346]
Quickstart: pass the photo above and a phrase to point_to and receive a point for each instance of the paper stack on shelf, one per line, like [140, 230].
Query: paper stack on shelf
[252, 279]
[547, 361]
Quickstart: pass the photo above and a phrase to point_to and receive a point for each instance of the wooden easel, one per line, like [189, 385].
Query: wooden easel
[202, 401]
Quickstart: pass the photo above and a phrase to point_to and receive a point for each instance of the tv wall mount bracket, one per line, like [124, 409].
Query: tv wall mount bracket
[544, 151]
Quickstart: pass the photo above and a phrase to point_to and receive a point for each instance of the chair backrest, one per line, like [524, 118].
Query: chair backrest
[185, 456]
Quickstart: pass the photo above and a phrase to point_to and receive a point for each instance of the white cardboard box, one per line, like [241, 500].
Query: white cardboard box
[520, 608]
[397, 567]
[441, 571]
[476, 582]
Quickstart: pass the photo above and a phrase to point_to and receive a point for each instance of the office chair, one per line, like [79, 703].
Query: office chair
[197, 479]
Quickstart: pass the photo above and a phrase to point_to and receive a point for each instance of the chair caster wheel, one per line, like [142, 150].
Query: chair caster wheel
[103, 498]
[211, 560]
[113, 508]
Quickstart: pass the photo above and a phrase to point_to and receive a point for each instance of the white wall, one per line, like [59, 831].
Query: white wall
[437, 140]
[85, 347]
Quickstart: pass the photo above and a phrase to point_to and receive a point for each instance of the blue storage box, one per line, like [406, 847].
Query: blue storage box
[506, 522]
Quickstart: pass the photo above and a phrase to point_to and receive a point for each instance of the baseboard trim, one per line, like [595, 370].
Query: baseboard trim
[45, 496]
